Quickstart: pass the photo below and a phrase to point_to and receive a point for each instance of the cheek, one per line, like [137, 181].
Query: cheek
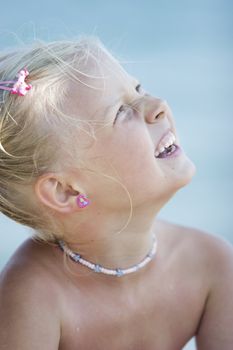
[129, 150]
[135, 159]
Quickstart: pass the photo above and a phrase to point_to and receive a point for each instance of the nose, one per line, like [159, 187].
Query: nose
[155, 109]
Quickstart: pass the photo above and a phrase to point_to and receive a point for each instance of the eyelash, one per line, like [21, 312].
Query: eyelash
[125, 107]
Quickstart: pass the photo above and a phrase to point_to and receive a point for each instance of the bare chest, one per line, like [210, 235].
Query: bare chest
[160, 312]
[165, 317]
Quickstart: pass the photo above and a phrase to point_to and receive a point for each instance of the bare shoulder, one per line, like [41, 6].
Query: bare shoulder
[28, 303]
[199, 244]
[210, 253]
[27, 261]
[210, 257]
[32, 265]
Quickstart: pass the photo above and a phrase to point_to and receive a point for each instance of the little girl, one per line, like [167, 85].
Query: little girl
[88, 159]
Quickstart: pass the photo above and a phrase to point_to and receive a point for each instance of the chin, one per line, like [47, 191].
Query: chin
[175, 176]
[185, 174]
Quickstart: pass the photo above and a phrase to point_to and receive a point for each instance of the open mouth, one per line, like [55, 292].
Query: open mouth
[166, 146]
[168, 151]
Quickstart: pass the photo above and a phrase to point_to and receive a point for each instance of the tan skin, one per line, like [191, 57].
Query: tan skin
[178, 295]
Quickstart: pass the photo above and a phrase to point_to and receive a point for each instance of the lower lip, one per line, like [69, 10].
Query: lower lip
[174, 154]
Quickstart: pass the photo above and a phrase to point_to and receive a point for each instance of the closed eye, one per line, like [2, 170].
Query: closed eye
[139, 89]
[126, 107]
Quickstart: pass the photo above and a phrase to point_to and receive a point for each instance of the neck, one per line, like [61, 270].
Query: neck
[109, 244]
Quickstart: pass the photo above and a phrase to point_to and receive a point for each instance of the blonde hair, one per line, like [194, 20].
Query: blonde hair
[31, 126]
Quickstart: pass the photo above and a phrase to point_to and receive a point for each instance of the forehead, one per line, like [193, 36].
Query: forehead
[99, 83]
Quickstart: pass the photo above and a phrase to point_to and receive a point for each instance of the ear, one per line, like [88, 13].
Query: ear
[54, 193]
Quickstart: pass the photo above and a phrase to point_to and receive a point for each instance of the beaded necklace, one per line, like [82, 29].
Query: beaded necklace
[113, 272]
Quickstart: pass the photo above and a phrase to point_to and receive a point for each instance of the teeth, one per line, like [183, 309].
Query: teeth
[167, 144]
[167, 141]
[161, 149]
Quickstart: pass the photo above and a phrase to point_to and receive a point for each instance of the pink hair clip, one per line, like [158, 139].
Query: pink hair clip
[20, 87]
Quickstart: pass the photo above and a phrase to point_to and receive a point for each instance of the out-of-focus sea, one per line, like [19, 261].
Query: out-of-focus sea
[179, 50]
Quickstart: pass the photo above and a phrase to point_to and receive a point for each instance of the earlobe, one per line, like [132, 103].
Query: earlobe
[55, 194]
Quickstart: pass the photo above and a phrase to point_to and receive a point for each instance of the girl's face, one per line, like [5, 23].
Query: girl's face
[129, 124]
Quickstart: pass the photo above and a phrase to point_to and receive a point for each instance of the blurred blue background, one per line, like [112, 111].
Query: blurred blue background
[181, 51]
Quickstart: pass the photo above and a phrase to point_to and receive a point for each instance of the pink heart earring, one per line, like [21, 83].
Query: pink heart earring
[82, 201]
